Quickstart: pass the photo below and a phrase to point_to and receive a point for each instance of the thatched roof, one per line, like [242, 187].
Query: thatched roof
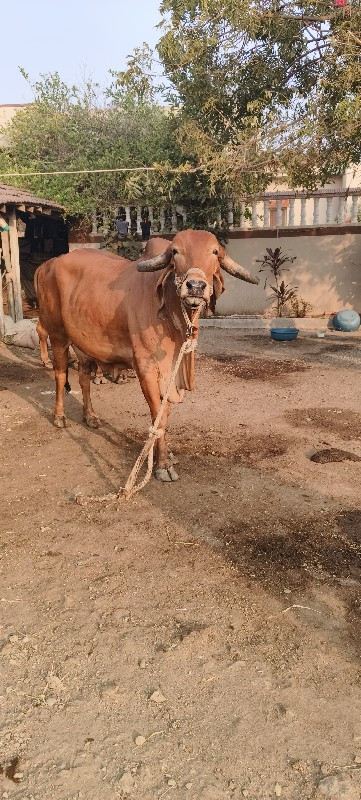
[11, 196]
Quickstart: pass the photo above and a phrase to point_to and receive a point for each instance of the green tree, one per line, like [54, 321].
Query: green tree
[275, 84]
[74, 128]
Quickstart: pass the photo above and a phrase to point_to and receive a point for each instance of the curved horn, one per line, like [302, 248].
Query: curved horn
[155, 263]
[236, 270]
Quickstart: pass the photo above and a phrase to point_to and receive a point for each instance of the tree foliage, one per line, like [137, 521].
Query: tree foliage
[256, 89]
[274, 83]
[80, 128]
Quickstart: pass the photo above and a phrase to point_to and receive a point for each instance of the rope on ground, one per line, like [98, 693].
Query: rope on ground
[155, 432]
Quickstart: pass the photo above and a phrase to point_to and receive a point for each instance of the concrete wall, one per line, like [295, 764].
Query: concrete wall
[327, 272]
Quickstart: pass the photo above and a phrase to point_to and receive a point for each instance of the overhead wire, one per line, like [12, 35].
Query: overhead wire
[159, 168]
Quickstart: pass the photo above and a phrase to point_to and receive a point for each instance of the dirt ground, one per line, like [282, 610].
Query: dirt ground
[201, 642]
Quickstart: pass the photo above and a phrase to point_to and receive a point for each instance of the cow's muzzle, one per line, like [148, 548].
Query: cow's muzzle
[196, 288]
[195, 293]
[192, 289]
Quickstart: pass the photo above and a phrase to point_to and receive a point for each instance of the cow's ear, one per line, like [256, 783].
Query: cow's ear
[160, 288]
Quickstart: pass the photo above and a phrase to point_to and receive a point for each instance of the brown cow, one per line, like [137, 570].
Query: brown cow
[126, 313]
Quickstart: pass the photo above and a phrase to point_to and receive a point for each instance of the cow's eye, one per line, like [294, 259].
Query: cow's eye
[174, 251]
[216, 251]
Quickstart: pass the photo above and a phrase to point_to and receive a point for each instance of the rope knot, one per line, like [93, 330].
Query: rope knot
[155, 432]
[191, 345]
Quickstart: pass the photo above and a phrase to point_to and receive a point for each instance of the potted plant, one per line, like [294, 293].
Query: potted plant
[273, 262]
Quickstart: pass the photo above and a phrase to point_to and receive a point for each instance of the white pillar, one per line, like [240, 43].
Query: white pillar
[139, 219]
[266, 213]
[162, 219]
[230, 214]
[303, 211]
[291, 215]
[254, 214]
[329, 210]
[94, 230]
[15, 265]
[354, 209]
[127, 215]
[150, 215]
[218, 217]
[316, 210]
[341, 210]
[242, 221]
[279, 213]
[174, 220]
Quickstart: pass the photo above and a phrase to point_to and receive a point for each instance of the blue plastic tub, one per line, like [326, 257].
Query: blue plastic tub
[347, 320]
[284, 334]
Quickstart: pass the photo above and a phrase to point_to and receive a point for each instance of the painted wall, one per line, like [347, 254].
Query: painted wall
[327, 272]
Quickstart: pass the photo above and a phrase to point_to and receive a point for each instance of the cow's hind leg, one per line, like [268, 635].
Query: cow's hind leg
[61, 376]
[89, 416]
[43, 342]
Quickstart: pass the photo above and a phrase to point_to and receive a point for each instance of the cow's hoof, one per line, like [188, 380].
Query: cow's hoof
[61, 422]
[173, 459]
[173, 474]
[166, 474]
[92, 422]
[47, 364]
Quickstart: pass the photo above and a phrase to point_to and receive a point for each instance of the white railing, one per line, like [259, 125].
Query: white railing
[296, 209]
[164, 219]
[268, 210]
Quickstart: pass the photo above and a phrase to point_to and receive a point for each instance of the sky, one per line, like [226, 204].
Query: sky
[74, 37]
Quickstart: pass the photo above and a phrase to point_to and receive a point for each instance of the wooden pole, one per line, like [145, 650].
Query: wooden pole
[15, 265]
[8, 276]
[2, 319]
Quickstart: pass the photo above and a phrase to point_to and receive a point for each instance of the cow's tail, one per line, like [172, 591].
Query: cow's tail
[67, 384]
[36, 282]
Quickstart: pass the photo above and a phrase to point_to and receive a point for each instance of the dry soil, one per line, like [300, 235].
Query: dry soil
[201, 642]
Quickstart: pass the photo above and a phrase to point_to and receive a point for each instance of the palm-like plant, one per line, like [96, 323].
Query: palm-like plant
[274, 263]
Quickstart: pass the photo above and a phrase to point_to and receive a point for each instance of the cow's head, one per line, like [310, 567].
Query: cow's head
[194, 258]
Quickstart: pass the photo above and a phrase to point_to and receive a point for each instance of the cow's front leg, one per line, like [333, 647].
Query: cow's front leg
[89, 415]
[164, 469]
[60, 369]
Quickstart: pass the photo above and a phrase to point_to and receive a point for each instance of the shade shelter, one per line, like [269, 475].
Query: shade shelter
[32, 230]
